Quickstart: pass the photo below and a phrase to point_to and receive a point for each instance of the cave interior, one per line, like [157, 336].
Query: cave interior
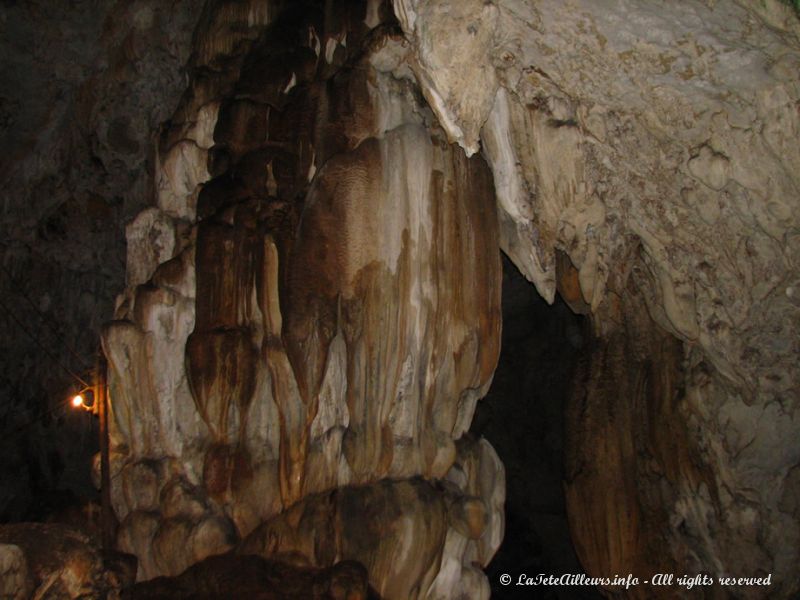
[400, 299]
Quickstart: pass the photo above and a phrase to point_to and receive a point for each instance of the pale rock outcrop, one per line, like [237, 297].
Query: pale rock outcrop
[310, 335]
[655, 146]
[15, 579]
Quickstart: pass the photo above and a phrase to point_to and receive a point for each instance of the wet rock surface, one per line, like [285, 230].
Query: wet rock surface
[313, 307]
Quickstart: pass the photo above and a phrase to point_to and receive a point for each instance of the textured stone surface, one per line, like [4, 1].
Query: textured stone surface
[313, 304]
[395, 529]
[655, 146]
[232, 576]
[15, 579]
[55, 561]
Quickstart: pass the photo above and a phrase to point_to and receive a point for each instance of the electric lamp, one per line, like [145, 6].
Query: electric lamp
[84, 399]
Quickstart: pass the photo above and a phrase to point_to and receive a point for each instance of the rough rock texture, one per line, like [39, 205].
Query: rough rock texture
[655, 146]
[231, 576]
[413, 519]
[314, 303]
[58, 562]
[84, 85]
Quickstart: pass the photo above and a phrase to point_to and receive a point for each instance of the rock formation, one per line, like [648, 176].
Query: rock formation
[645, 156]
[40, 560]
[312, 307]
[313, 312]
[232, 576]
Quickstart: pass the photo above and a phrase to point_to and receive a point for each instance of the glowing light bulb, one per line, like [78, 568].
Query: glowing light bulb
[77, 401]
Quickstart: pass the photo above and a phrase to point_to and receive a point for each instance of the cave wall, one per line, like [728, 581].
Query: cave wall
[85, 87]
[312, 313]
[655, 146]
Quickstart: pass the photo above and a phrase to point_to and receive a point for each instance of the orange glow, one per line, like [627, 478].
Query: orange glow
[77, 401]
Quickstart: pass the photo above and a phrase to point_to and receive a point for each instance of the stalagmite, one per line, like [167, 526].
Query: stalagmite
[296, 370]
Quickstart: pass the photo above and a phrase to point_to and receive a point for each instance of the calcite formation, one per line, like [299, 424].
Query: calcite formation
[312, 308]
[645, 156]
[312, 313]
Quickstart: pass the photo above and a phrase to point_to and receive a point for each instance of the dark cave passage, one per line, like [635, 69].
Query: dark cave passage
[523, 418]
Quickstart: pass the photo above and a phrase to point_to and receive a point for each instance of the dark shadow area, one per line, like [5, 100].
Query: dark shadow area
[523, 418]
[47, 448]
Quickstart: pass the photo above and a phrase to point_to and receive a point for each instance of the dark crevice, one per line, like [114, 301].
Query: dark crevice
[523, 418]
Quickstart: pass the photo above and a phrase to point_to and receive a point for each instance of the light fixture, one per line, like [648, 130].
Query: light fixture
[84, 399]
[94, 399]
